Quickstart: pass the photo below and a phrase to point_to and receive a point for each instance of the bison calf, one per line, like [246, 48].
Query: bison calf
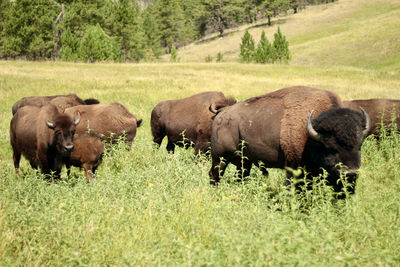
[87, 154]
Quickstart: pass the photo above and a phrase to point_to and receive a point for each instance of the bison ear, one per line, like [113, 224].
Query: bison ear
[312, 133]
[139, 123]
[367, 122]
[78, 119]
[50, 124]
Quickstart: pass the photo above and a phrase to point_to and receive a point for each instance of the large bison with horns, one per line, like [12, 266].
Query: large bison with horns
[186, 121]
[60, 101]
[379, 109]
[44, 136]
[277, 130]
[110, 121]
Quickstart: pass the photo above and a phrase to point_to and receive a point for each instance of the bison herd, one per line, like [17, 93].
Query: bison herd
[289, 128]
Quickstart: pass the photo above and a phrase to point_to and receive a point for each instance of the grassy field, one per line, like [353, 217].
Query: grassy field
[148, 207]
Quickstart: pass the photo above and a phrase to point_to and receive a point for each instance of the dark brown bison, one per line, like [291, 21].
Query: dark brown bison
[110, 121]
[375, 108]
[273, 130]
[87, 154]
[186, 121]
[44, 136]
[60, 101]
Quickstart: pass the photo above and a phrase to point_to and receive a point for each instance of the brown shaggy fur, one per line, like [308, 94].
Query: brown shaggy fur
[374, 108]
[190, 115]
[297, 106]
[110, 121]
[61, 101]
[32, 137]
[87, 154]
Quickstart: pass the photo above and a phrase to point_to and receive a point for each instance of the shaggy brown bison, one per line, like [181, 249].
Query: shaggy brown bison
[186, 121]
[44, 136]
[110, 121]
[61, 101]
[273, 129]
[87, 154]
[375, 108]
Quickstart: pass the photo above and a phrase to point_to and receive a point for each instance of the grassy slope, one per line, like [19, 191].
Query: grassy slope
[150, 208]
[357, 33]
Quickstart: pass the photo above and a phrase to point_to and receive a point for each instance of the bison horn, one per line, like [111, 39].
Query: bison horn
[49, 123]
[312, 133]
[212, 108]
[78, 119]
[367, 122]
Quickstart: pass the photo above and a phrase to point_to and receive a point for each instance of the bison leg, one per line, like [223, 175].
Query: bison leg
[88, 171]
[217, 170]
[171, 147]
[243, 169]
[16, 159]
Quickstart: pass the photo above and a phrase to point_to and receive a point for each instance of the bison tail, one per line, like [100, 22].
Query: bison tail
[91, 101]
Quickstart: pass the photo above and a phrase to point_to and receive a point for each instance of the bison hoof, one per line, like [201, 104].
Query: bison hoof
[213, 182]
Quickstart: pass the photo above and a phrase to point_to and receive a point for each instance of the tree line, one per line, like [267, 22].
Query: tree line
[122, 30]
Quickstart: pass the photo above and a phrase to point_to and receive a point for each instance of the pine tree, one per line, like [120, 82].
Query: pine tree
[96, 45]
[27, 28]
[281, 47]
[171, 22]
[246, 48]
[223, 13]
[125, 28]
[152, 35]
[264, 51]
[70, 45]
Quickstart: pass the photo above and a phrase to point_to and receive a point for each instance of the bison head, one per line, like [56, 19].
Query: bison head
[64, 129]
[335, 139]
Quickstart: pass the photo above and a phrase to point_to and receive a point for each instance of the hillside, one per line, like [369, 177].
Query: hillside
[359, 33]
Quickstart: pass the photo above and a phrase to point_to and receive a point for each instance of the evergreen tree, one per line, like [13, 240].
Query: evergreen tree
[193, 12]
[223, 13]
[171, 22]
[70, 45]
[79, 14]
[152, 35]
[96, 45]
[246, 48]
[264, 51]
[125, 28]
[281, 47]
[27, 28]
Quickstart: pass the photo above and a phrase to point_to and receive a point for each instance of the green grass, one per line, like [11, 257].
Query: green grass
[357, 33]
[148, 207]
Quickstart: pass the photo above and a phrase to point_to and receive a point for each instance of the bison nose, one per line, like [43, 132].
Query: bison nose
[69, 147]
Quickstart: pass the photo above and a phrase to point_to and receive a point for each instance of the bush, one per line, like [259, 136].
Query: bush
[96, 45]
[246, 48]
[208, 59]
[174, 54]
[219, 57]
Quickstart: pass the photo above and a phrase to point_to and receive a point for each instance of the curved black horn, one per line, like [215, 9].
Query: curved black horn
[367, 122]
[78, 119]
[312, 133]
